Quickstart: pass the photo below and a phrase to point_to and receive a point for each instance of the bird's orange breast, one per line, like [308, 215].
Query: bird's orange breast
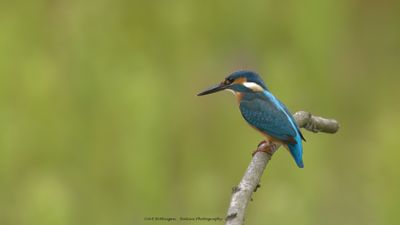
[268, 137]
[239, 96]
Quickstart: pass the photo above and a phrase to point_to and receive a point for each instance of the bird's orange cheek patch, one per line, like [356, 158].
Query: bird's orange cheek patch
[240, 80]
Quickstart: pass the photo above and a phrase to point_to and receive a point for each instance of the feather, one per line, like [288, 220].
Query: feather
[268, 115]
[261, 113]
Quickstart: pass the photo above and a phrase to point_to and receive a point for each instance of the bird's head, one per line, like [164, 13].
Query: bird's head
[238, 82]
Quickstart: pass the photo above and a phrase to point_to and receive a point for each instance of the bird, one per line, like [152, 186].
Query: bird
[263, 111]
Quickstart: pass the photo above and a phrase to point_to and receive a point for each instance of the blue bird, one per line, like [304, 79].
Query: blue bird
[263, 111]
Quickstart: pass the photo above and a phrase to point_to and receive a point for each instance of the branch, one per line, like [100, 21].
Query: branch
[250, 182]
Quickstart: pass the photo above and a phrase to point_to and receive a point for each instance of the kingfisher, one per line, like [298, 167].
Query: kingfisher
[263, 111]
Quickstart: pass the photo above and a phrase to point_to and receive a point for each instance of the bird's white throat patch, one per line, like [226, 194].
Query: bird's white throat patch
[231, 91]
[253, 86]
[238, 95]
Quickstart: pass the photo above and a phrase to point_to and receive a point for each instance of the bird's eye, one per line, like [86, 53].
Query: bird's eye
[228, 81]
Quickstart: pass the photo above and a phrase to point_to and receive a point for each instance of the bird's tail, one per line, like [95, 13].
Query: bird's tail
[296, 150]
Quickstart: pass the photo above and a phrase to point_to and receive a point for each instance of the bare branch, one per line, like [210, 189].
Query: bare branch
[315, 123]
[250, 182]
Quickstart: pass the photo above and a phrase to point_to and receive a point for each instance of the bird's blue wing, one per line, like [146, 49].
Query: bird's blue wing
[269, 115]
[264, 114]
[291, 117]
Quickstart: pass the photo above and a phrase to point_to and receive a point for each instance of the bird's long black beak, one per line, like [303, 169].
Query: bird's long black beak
[213, 89]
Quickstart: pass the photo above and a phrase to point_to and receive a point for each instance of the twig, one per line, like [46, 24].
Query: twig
[250, 182]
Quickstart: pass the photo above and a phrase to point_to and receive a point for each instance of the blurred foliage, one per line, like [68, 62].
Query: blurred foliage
[100, 123]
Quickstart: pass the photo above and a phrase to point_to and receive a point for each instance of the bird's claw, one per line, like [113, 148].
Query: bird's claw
[267, 147]
[261, 143]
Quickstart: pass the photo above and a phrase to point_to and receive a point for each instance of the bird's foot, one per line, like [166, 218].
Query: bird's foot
[267, 147]
[264, 142]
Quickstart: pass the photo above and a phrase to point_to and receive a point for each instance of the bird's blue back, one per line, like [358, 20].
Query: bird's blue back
[266, 113]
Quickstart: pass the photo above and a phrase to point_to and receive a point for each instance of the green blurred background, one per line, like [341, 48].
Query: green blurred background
[100, 123]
